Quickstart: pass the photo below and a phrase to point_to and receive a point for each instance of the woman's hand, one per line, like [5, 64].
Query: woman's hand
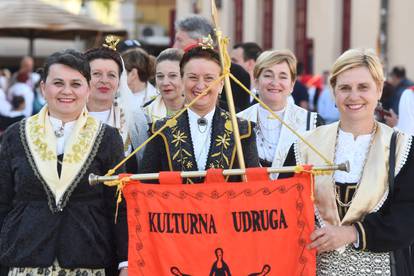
[331, 237]
[123, 272]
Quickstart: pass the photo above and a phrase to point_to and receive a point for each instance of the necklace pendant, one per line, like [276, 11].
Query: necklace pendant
[59, 132]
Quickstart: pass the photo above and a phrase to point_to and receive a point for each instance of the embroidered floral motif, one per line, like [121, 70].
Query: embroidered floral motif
[82, 144]
[179, 137]
[37, 131]
[222, 142]
[179, 146]
[78, 150]
[181, 156]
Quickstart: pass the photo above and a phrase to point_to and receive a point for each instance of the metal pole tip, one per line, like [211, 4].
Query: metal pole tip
[93, 179]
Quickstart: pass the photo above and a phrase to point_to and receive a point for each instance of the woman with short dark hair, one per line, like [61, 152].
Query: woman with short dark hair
[203, 136]
[51, 219]
[112, 102]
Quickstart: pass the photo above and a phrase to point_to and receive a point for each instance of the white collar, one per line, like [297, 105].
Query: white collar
[57, 123]
[201, 139]
[102, 116]
[349, 136]
[194, 116]
[65, 128]
[265, 114]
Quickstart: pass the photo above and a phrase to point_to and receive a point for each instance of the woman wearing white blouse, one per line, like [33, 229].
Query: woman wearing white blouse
[169, 84]
[52, 221]
[140, 67]
[202, 137]
[112, 102]
[364, 217]
[275, 76]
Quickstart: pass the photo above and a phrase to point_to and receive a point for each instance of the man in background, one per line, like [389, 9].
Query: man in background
[245, 55]
[399, 82]
[26, 67]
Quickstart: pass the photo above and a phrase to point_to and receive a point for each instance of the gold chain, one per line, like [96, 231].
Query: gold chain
[338, 200]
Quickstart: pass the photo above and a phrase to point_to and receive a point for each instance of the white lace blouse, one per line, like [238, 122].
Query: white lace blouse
[353, 150]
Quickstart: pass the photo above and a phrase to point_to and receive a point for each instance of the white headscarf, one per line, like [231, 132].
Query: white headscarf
[134, 115]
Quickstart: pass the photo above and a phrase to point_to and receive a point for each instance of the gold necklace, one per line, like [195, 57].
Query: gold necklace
[338, 200]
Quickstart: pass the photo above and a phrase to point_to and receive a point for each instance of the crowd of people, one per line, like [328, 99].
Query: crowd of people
[83, 113]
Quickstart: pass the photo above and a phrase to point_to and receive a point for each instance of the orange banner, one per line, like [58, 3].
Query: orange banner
[259, 227]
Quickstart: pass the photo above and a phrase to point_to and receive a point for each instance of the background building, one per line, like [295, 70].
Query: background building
[318, 31]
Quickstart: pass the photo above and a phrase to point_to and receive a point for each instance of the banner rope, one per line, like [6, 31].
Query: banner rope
[120, 183]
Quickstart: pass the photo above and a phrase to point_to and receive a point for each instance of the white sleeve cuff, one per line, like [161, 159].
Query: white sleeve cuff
[123, 265]
[356, 243]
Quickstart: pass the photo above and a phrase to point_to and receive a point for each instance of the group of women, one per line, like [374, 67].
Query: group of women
[97, 111]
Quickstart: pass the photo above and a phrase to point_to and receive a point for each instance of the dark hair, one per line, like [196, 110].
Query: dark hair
[139, 59]
[17, 101]
[196, 26]
[172, 54]
[217, 250]
[71, 58]
[199, 52]
[251, 50]
[104, 53]
[398, 71]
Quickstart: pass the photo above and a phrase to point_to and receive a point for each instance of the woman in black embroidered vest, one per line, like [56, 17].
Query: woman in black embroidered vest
[51, 219]
[364, 217]
[275, 76]
[203, 136]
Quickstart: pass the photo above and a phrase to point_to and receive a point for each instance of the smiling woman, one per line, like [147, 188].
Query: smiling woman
[111, 101]
[275, 76]
[203, 136]
[364, 217]
[51, 219]
[66, 92]
[169, 84]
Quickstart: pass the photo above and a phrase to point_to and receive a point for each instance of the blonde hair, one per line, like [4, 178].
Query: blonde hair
[269, 58]
[354, 58]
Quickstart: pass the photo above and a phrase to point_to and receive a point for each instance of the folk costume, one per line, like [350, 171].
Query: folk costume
[274, 139]
[145, 95]
[379, 206]
[193, 143]
[50, 217]
[128, 120]
[156, 109]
